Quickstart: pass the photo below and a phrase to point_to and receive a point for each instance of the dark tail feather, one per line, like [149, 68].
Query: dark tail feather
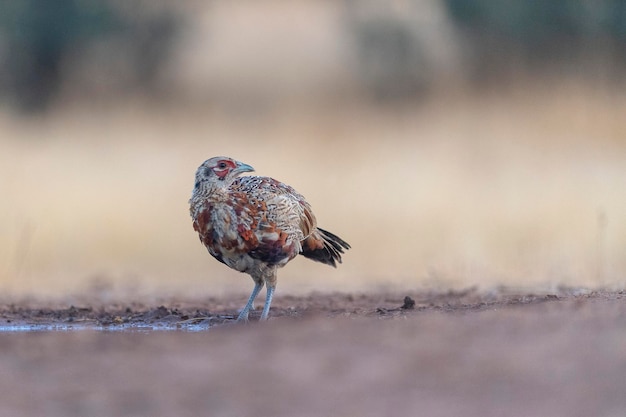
[324, 247]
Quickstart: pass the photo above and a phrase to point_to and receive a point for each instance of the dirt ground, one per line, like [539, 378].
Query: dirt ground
[466, 353]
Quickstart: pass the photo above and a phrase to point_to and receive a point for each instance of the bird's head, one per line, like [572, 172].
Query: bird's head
[220, 170]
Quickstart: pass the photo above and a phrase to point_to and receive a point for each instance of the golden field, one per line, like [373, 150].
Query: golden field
[521, 187]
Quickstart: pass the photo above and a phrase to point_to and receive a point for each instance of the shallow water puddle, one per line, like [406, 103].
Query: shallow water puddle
[125, 327]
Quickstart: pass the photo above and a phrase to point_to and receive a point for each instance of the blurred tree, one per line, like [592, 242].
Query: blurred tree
[392, 64]
[402, 48]
[36, 36]
[539, 34]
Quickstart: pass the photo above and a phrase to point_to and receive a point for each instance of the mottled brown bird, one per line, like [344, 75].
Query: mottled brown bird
[256, 225]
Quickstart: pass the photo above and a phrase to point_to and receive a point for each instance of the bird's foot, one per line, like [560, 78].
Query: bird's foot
[242, 317]
[268, 302]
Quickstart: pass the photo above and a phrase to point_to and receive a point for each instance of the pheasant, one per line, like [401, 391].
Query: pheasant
[256, 225]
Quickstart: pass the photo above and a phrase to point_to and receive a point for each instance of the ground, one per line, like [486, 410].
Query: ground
[457, 353]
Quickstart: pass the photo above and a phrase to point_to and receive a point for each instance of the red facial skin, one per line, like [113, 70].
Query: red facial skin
[223, 167]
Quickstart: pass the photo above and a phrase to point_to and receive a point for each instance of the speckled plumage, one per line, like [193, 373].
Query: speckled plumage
[256, 224]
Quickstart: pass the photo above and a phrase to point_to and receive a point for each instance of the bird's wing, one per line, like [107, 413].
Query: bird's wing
[282, 218]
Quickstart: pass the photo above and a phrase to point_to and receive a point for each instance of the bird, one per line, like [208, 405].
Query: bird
[256, 225]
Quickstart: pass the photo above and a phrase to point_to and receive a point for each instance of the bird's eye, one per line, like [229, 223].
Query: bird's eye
[221, 165]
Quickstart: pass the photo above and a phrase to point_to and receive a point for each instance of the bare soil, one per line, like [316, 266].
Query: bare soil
[465, 353]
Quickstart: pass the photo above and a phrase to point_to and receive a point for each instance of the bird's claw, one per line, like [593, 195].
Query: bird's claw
[242, 318]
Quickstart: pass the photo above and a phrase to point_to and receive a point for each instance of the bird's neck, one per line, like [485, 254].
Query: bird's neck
[211, 190]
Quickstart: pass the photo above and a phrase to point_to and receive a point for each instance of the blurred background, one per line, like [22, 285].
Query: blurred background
[452, 143]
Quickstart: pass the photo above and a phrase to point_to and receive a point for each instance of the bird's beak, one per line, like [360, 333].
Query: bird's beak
[241, 167]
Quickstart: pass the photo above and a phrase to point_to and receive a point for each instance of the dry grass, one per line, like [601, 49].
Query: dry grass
[522, 188]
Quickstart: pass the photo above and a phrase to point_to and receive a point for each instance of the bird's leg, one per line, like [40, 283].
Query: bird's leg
[268, 301]
[271, 286]
[243, 316]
